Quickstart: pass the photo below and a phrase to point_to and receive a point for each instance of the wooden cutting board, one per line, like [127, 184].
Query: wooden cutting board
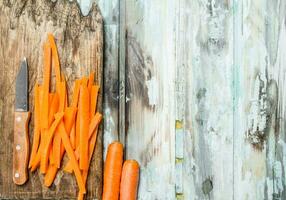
[24, 25]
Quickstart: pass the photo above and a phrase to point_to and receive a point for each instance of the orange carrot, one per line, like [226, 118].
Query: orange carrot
[94, 123]
[57, 139]
[84, 123]
[91, 150]
[56, 60]
[76, 93]
[77, 127]
[93, 99]
[129, 180]
[47, 143]
[69, 118]
[112, 171]
[36, 137]
[46, 85]
[72, 137]
[53, 108]
[57, 149]
[62, 95]
[84, 81]
[71, 156]
[90, 81]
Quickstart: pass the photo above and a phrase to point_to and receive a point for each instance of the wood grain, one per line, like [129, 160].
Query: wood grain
[24, 26]
[21, 148]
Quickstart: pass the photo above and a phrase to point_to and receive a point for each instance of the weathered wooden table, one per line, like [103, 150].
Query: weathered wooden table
[195, 90]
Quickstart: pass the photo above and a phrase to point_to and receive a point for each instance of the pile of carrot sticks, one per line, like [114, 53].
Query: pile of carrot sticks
[120, 181]
[61, 127]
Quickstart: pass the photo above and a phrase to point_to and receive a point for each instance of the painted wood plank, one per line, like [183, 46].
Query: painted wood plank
[207, 41]
[150, 113]
[260, 72]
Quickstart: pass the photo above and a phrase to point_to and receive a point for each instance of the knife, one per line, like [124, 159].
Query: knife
[21, 122]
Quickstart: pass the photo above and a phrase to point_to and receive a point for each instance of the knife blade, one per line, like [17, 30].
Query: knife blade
[21, 122]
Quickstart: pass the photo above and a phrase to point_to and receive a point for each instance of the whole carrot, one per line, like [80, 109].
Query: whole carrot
[112, 171]
[129, 180]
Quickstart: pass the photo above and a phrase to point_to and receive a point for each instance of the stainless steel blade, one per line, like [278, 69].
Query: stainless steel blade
[22, 101]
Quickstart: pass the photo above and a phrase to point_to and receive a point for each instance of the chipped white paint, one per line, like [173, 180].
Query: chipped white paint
[153, 91]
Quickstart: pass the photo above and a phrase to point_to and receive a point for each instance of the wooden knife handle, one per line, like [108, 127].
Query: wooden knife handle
[21, 147]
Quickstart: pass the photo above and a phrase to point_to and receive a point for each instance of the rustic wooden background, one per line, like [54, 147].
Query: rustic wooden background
[204, 91]
[195, 89]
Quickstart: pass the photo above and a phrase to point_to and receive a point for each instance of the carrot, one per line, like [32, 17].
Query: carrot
[91, 150]
[57, 148]
[54, 106]
[90, 81]
[62, 95]
[76, 93]
[94, 123]
[129, 180]
[71, 156]
[112, 171]
[36, 138]
[69, 118]
[47, 144]
[77, 127]
[72, 137]
[56, 60]
[84, 123]
[93, 99]
[46, 86]
[84, 81]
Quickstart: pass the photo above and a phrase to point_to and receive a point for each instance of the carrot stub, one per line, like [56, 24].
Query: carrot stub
[129, 180]
[112, 171]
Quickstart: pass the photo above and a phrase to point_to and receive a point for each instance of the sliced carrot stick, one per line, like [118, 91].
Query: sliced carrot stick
[36, 137]
[36, 161]
[84, 126]
[93, 99]
[94, 123]
[48, 140]
[84, 81]
[57, 149]
[112, 171]
[70, 153]
[46, 85]
[52, 170]
[72, 137]
[69, 118]
[54, 107]
[41, 96]
[56, 60]
[90, 81]
[76, 93]
[91, 150]
[62, 95]
[77, 127]
[129, 180]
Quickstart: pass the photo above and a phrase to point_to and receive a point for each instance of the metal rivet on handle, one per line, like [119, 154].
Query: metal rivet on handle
[18, 119]
[17, 175]
[18, 147]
